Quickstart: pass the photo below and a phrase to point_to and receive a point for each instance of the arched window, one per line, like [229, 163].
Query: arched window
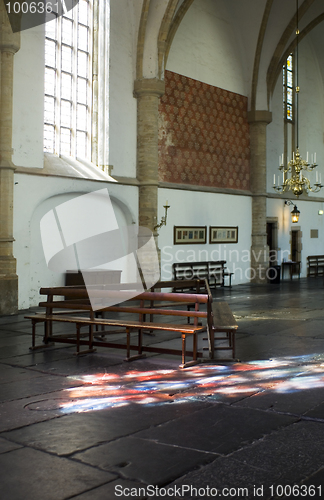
[68, 82]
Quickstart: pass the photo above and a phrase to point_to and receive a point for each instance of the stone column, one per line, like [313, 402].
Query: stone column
[258, 121]
[148, 93]
[9, 45]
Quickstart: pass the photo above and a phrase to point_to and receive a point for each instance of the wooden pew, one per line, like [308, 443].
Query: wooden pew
[147, 304]
[77, 300]
[213, 271]
[315, 265]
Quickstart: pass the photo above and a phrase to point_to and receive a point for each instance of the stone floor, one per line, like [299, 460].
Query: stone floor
[95, 427]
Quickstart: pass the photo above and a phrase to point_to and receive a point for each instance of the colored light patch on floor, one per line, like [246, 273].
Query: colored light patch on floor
[197, 383]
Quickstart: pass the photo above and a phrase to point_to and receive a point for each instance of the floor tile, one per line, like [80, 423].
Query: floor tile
[32, 475]
[145, 460]
[224, 430]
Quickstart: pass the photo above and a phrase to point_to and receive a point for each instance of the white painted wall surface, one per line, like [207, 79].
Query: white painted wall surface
[29, 209]
[206, 47]
[28, 99]
[122, 104]
[193, 208]
[308, 219]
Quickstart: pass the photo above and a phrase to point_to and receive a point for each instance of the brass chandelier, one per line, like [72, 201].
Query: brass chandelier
[297, 182]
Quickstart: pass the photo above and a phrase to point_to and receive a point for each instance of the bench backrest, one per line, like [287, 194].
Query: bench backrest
[77, 299]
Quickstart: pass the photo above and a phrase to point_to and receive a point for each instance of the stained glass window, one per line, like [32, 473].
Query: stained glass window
[288, 83]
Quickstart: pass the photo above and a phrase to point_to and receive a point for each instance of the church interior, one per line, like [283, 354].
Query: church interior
[203, 121]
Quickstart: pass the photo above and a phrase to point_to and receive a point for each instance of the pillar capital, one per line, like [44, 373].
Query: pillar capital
[149, 87]
[264, 116]
[9, 41]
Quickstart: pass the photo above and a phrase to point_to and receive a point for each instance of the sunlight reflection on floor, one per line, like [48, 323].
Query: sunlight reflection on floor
[198, 383]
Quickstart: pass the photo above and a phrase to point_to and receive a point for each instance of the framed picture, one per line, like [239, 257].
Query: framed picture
[189, 235]
[223, 234]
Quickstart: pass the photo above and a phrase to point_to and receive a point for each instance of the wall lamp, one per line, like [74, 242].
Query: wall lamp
[294, 213]
[164, 218]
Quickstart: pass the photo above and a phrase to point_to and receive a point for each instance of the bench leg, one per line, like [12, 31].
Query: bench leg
[140, 339]
[183, 339]
[194, 361]
[212, 343]
[78, 335]
[34, 347]
[128, 339]
[194, 346]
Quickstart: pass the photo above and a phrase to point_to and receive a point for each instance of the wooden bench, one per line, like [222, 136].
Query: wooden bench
[147, 304]
[224, 322]
[315, 265]
[213, 271]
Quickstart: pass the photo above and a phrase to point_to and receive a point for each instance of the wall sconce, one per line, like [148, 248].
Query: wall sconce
[294, 213]
[164, 218]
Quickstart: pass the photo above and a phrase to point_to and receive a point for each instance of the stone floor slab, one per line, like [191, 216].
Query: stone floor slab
[6, 446]
[147, 461]
[72, 433]
[120, 489]
[33, 475]
[225, 428]
[291, 403]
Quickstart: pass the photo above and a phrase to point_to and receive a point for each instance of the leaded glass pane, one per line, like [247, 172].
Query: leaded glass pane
[49, 109]
[50, 29]
[69, 14]
[66, 86]
[65, 141]
[83, 12]
[289, 79]
[66, 59]
[81, 117]
[82, 63]
[49, 136]
[50, 53]
[289, 96]
[83, 37]
[50, 75]
[81, 139]
[67, 31]
[66, 113]
[82, 90]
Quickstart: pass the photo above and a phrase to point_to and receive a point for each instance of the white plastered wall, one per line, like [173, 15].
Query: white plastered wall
[207, 48]
[194, 208]
[309, 219]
